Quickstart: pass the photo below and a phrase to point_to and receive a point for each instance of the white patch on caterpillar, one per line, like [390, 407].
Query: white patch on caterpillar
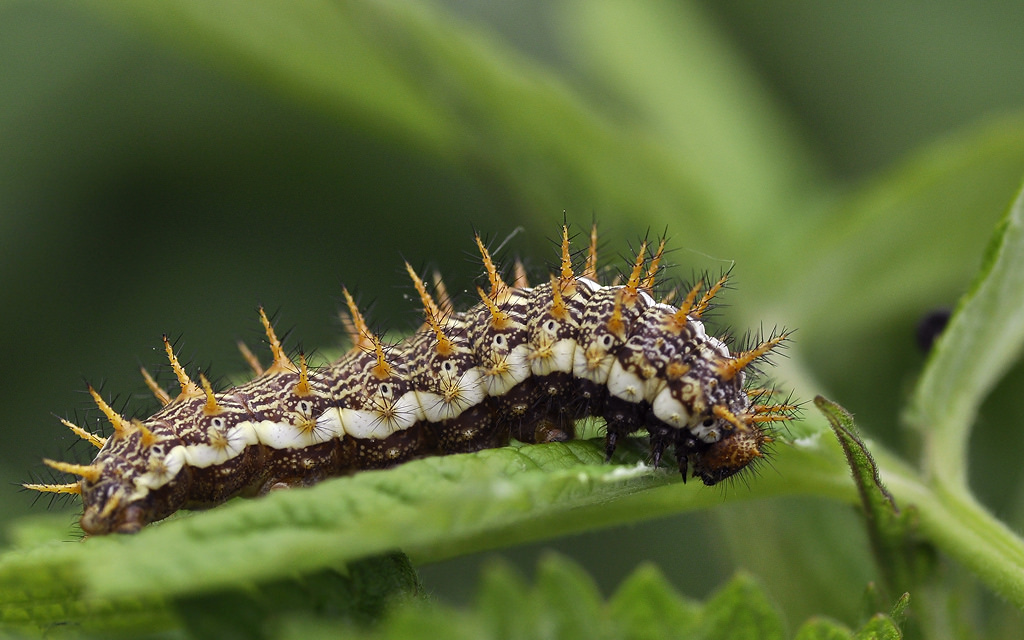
[387, 418]
[625, 384]
[699, 334]
[378, 423]
[669, 410]
[284, 435]
[503, 375]
[161, 471]
[588, 283]
[461, 392]
[560, 359]
[362, 424]
[652, 387]
[330, 421]
[592, 363]
[717, 346]
[707, 434]
[236, 439]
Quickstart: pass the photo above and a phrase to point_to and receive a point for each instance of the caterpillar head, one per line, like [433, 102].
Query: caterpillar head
[137, 481]
[134, 479]
[730, 454]
[109, 509]
[722, 425]
[735, 434]
[741, 436]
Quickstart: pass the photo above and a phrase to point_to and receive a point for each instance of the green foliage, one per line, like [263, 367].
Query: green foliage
[889, 529]
[652, 121]
[565, 603]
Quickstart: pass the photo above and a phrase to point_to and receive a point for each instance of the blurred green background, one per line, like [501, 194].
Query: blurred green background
[168, 174]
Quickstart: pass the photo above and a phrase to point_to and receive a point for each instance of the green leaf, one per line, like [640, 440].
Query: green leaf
[880, 627]
[823, 629]
[900, 609]
[983, 339]
[573, 606]
[505, 602]
[356, 596]
[741, 610]
[649, 607]
[432, 508]
[564, 604]
[889, 528]
[925, 221]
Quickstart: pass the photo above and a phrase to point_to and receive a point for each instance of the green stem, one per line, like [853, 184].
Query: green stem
[962, 528]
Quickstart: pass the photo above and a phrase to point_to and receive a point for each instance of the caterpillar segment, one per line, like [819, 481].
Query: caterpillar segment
[523, 362]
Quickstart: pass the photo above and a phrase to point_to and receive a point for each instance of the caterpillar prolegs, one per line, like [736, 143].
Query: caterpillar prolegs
[524, 362]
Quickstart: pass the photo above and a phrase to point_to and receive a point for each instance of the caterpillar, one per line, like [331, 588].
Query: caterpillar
[523, 362]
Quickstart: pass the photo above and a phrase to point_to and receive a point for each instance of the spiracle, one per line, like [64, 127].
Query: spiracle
[524, 363]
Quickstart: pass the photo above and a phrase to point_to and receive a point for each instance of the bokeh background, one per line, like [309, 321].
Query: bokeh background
[155, 178]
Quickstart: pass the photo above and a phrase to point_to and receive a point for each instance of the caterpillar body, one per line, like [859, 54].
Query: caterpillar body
[523, 363]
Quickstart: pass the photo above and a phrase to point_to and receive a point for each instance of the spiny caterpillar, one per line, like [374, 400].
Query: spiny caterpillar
[523, 363]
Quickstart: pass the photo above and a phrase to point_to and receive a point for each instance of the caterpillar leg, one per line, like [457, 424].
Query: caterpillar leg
[661, 438]
[611, 440]
[623, 419]
[554, 429]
